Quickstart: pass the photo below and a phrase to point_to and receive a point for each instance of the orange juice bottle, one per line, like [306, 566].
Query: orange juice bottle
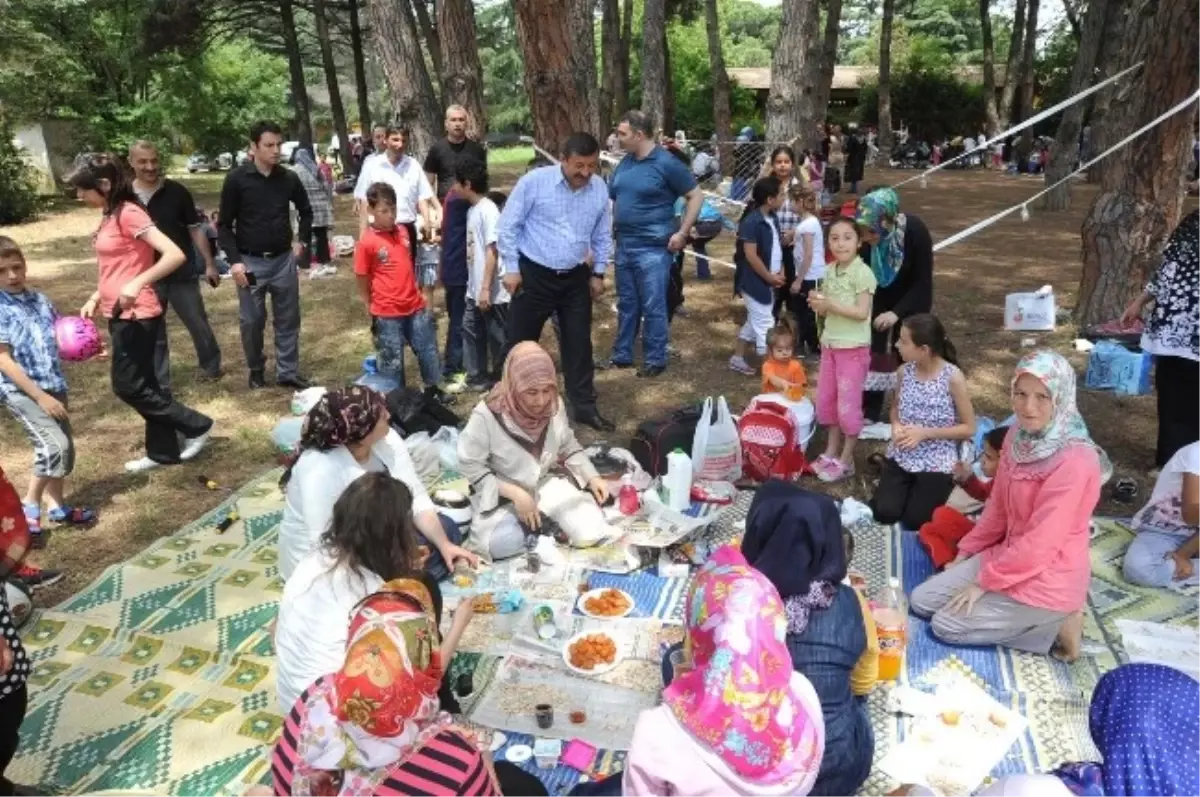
[890, 612]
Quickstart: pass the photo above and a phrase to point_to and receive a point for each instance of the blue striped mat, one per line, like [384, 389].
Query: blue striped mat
[652, 596]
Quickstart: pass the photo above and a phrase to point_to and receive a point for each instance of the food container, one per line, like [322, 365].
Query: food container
[546, 752]
[464, 577]
[543, 622]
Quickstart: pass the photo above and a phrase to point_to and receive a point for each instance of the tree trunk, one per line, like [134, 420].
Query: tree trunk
[432, 37]
[360, 73]
[669, 96]
[462, 82]
[1142, 193]
[1065, 152]
[795, 73]
[1072, 11]
[610, 58]
[990, 111]
[413, 101]
[722, 113]
[654, 61]
[545, 38]
[833, 22]
[583, 58]
[1027, 68]
[621, 86]
[287, 17]
[884, 140]
[1012, 68]
[1110, 63]
[335, 93]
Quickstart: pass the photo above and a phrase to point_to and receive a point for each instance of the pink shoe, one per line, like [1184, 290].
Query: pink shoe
[835, 472]
[822, 464]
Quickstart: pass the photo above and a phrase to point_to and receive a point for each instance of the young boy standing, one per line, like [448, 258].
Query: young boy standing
[387, 284]
[486, 319]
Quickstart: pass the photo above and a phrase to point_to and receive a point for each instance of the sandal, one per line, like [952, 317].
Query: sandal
[33, 519]
[836, 472]
[1124, 491]
[71, 516]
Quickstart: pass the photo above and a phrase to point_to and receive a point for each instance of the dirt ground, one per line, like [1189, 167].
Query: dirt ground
[971, 279]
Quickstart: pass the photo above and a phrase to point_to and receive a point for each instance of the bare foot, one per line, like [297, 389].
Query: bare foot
[1070, 638]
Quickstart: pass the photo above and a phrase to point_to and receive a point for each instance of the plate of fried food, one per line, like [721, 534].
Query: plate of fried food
[591, 653]
[606, 603]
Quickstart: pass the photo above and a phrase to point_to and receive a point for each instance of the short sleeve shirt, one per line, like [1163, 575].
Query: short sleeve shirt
[811, 225]
[122, 255]
[644, 193]
[1164, 512]
[386, 258]
[844, 285]
[454, 240]
[406, 178]
[482, 221]
[791, 371]
[445, 156]
[173, 211]
[27, 328]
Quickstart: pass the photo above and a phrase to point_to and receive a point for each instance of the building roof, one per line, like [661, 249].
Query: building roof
[758, 78]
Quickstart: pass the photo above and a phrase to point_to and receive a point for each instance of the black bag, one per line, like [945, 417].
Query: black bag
[657, 438]
[413, 411]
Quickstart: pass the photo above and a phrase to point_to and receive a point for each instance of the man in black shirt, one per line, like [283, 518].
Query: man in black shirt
[255, 230]
[173, 210]
[441, 164]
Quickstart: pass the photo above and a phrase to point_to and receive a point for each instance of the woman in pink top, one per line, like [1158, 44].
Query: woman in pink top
[127, 246]
[1021, 576]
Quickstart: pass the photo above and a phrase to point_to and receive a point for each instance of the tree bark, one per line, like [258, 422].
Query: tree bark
[545, 38]
[884, 139]
[795, 73]
[462, 82]
[722, 113]
[432, 37]
[1065, 152]
[331, 81]
[360, 73]
[291, 44]
[833, 22]
[990, 111]
[669, 97]
[412, 98]
[654, 61]
[1012, 68]
[1111, 61]
[610, 59]
[1027, 68]
[1141, 194]
[1072, 11]
[621, 86]
[583, 58]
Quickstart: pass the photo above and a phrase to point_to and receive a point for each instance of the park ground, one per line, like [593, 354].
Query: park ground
[971, 280]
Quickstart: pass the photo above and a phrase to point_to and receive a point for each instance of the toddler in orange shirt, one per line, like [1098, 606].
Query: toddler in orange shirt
[781, 371]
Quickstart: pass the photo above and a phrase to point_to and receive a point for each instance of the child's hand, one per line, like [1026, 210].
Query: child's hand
[777, 280]
[962, 472]
[89, 309]
[907, 437]
[52, 407]
[818, 303]
[797, 285]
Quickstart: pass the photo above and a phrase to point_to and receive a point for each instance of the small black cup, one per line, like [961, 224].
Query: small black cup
[544, 713]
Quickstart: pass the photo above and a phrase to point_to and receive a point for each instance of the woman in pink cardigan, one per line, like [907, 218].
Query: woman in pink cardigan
[1021, 576]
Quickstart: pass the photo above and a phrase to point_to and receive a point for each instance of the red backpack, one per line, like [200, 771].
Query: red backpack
[769, 449]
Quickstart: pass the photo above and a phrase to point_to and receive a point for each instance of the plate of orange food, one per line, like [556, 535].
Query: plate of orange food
[591, 653]
[605, 603]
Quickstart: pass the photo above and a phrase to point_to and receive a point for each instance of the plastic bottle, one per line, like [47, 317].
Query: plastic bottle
[679, 480]
[627, 499]
[890, 612]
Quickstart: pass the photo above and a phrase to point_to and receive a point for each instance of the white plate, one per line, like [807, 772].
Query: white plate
[498, 741]
[595, 593]
[519, 753]
[603, 668]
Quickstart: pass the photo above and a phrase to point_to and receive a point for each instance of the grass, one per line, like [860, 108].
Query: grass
[510, 156]
[971, 279]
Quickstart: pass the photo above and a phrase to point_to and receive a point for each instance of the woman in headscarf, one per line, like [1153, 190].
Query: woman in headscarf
[345, 435]
[1021, 575]
[375, 726]
[794, 538]
[738, 720]
[320, 197]
[899, 250]
[1172, 335]
[515, 436]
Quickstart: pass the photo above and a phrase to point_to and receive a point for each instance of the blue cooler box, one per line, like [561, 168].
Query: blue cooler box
[1113, 367]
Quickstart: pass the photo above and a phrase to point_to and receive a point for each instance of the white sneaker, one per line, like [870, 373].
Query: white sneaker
[320, 272]
[139, 465]
[193, 446]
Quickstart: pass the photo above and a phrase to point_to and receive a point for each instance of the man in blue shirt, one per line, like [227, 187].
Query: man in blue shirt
[644, 188]
[556, 217]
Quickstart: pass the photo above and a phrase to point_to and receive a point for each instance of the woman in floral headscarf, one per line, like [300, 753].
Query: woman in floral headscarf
[345, 435]
[899, 250]
[375, 725]
[1021, 575]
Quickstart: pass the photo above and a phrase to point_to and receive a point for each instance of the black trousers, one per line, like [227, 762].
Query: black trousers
[544, 293]
[135, 383]
[675, 287]
[909, 498]
[316, 246]
[516, 782]
[12, 714]
[783, 295]
[1177, 382]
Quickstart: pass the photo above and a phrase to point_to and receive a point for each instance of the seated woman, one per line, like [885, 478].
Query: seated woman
[1021, 575]
[513, 439]
[372, 724]
[346, 434]
[794, 538]
[371, 540]
[1164, 551]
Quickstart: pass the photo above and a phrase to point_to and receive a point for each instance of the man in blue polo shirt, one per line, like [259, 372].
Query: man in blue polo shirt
[644, 188]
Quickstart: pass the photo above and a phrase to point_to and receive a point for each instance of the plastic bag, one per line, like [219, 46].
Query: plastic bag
[286, 434]
[716, 449]
[425, 456]
[305, 400]
[446, 439]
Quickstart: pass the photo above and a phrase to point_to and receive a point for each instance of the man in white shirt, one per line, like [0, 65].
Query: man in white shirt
[486, 319]
[414, 194]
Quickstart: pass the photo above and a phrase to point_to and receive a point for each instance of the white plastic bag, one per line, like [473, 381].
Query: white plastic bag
[716, 449]
[286, 434]
[1032, 312]
[305, 400]
[425, 456]
[446, 439]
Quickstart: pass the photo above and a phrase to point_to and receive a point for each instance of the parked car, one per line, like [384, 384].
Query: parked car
[287, 149]
[225, 161]
[198, 162]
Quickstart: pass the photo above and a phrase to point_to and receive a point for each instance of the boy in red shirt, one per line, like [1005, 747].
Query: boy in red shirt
[387, 284]
[940, 536]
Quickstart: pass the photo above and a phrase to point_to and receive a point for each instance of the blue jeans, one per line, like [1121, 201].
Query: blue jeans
[484, 333]
[435, 565]
[418, 332]
[642, 277]
[456, 306]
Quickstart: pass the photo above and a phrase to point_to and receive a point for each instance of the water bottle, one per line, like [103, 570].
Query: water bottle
[679, 480]
[890, 612]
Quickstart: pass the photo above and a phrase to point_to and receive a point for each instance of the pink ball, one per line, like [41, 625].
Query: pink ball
[77, 337]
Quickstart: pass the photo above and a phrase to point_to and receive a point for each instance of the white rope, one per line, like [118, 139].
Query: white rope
[1027, 123]
[1024, 206]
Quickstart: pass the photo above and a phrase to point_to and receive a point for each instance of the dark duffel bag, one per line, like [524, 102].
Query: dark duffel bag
[658, 437]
